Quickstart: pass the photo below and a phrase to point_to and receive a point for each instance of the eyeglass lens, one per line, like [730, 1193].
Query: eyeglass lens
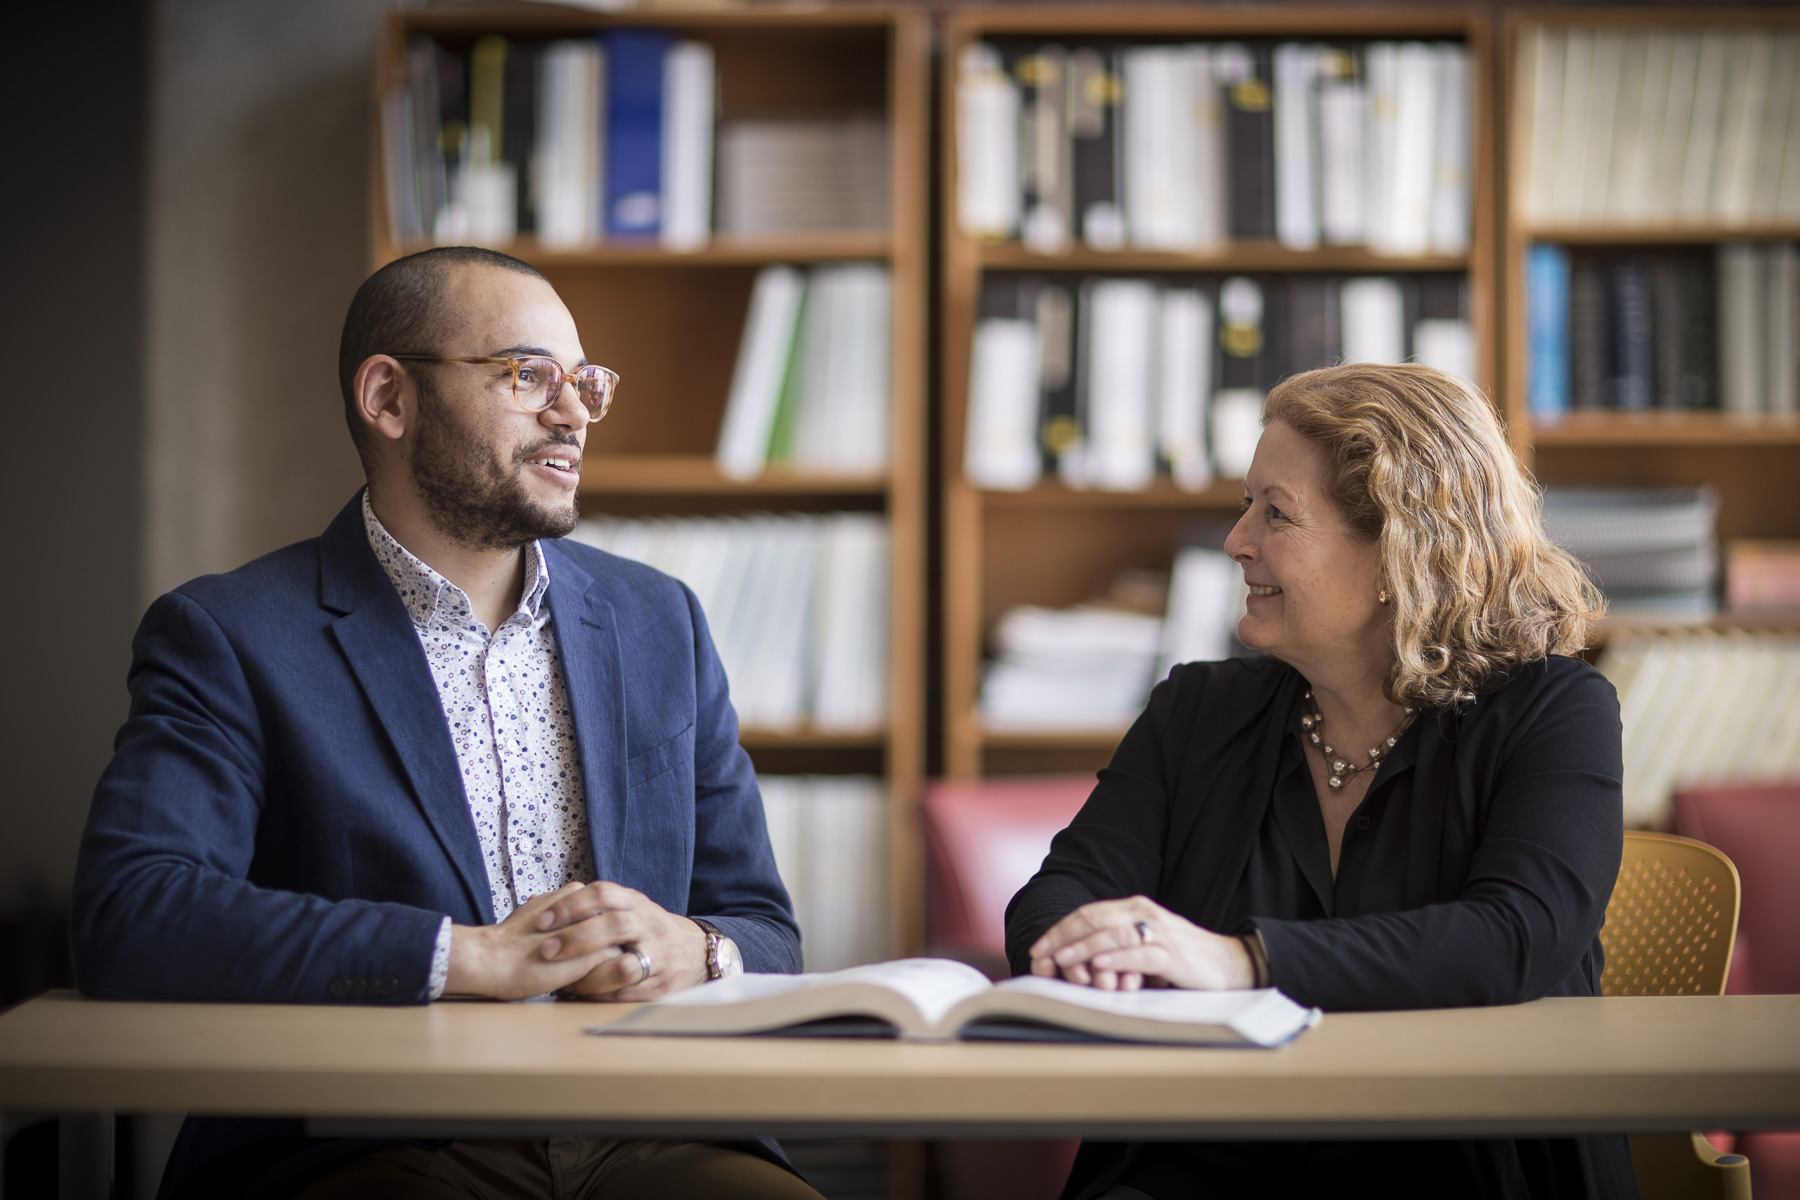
[537, 382]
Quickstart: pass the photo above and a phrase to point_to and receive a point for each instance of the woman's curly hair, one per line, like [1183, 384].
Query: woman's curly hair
[1423, 468]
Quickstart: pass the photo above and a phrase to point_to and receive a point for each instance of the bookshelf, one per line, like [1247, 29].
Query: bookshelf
[1057, 546]
[1753, 459]
[669, 322]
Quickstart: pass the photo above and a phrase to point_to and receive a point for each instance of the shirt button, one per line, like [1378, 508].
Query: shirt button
[1362, 822]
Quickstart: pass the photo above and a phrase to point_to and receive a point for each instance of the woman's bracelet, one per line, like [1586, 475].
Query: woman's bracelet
[1258, 951]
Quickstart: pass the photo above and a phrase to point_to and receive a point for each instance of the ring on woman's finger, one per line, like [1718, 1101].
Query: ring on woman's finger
[1143, 928]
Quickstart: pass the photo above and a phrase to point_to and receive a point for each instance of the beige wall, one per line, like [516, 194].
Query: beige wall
[258, 144]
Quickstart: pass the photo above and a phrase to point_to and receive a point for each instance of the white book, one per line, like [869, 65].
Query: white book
[1597, 144]
[1743, 329]
[736, 623]
[1000, 446]
[1448, 345]
[1784, 81]
[939, 1000]
[1571, 142]
[1663, 202]
[1236, 427]
[1541, 67]
[1741, 123]
[1381, 84]
[1184, 380]
[1635, 168]
[868, 378]
[817, 348]
[1787, 203]
[687, 145]
[1628, 140]
[1204, 607]
[1781, 374]
[1296, 73]
[564, 161]
[762, 365]
[1162, 175]
[1120, 383]
[833, 862]
[782, 800]
[783, 663]
[1342, 117]
[987, 145]
[1703, 126]
[1450, 178]
[1372, 320]
[850, 691]
[1207, 128]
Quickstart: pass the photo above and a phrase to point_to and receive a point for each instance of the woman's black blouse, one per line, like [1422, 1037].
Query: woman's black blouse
[1476, 871]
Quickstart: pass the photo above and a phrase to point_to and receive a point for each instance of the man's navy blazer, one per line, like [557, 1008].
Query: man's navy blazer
[284, 819]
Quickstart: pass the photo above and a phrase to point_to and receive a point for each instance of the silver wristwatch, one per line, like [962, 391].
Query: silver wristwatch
[722, 957]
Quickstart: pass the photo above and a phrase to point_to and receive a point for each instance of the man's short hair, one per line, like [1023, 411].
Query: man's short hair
[400, 309]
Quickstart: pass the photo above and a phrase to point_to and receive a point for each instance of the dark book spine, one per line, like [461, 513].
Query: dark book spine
[1314, 337]
[1059, 427]
[1247, 334]
[1094, 91]
[1699, 335]
[1250, 149]
[1587, 336]
[518, 142]
[1666, 349]
[1628, 287]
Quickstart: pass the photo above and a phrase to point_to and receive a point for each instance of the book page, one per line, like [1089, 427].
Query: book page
[934, 986]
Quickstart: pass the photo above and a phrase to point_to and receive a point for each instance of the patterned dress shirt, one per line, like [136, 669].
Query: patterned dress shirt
[508, 711]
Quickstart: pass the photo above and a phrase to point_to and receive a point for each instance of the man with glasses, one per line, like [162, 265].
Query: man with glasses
[437, 751]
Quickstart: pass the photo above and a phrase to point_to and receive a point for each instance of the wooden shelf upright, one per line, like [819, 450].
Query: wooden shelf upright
[1753, 460]
[1053, 546]
[669, 323]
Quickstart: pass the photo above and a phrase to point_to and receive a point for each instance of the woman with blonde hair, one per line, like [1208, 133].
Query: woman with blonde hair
[1411, 800]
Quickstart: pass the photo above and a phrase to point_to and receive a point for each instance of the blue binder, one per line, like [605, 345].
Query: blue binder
[634, 131]
[1547, 328]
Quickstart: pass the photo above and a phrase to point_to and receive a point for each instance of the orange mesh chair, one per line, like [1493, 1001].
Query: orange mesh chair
[1668, 932]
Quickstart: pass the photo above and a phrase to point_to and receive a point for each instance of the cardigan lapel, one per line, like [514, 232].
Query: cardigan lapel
[378, 639]
[587, 641]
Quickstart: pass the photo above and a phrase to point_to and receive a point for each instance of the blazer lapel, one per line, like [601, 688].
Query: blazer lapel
[378, 638]
[587, 641]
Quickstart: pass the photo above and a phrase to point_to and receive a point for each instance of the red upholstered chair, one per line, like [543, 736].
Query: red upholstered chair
[983, 841]
[1759, 828]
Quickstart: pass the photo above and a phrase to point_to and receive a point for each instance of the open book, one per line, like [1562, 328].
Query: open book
[935, 1000]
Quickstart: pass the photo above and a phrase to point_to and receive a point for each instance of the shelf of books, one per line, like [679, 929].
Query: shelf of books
[1652, 302]
[728, 202]
[1152, 216]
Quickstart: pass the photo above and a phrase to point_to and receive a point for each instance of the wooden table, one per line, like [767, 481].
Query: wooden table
[1565, 1066]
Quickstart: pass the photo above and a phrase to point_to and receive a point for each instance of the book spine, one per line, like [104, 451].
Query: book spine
[1043, 77]
[687, 144]
[634, 132]
[1783, 370]
[1742, 327]
[1629, 287]
[1666, 324]
[1449, 232]
[1416, 97]
[1342, 116]
[1700, 335]
[1250, 141]
[987, 145]
[1547, 287]
[1296, 70]
[1184, 381]
[1094, 91]
[519, 120]
[1587, 336]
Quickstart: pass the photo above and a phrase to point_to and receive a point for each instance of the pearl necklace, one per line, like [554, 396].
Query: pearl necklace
[1313, 721]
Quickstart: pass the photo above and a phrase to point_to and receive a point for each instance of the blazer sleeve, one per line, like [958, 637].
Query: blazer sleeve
[735, 884]
[1542, 871]
[1114, 846]
[162, 906]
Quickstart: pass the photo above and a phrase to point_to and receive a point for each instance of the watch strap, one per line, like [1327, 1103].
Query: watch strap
[713, 968]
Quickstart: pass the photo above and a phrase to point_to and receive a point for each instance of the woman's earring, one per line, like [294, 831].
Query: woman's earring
[1383, 598]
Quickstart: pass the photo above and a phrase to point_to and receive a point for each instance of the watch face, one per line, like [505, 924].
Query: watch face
[730, 961]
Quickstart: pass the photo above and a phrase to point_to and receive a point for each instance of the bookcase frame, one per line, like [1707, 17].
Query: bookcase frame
[1754, 459]
[1044, 545]
[659, 458]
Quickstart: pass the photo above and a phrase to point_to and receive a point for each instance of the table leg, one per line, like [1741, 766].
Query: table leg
[84, 1156]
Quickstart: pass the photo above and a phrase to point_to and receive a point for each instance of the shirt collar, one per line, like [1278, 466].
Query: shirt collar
[429, 596]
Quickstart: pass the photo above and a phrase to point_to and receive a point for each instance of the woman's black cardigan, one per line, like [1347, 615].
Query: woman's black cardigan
[1507, 877]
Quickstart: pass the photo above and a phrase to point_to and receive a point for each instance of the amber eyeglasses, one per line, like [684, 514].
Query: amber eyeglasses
[537, 383]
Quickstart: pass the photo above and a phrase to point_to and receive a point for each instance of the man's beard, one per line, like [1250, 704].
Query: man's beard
[470, 495]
